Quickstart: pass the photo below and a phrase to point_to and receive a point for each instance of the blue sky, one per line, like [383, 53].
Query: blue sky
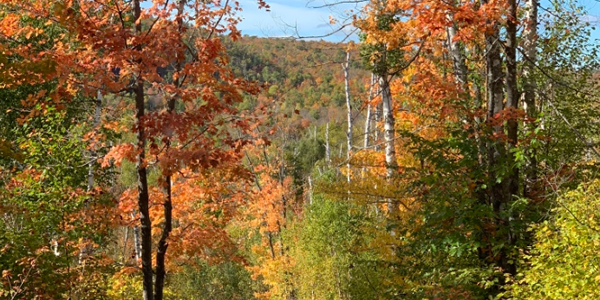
[593, 12]
[292, 18]
[287, 15]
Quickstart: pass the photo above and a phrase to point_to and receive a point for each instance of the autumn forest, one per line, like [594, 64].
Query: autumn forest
[150, 150]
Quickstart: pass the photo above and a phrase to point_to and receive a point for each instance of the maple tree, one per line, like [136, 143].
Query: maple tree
[116, 46]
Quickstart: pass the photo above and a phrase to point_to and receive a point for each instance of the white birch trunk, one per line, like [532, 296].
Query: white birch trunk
[327, 145]
[456, 51]
[389, 135]
[368, 118]
[376, 120]
[345, 67]
[137, 243]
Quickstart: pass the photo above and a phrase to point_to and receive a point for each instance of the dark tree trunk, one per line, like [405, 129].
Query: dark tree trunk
[499, 184]
[495, 97]
[512, 94]
[167, 226]
[143, 195]
[162, 243]
[512, 102]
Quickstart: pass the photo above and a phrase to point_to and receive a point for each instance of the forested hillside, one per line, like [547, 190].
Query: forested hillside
[304, 80]
[149, 150]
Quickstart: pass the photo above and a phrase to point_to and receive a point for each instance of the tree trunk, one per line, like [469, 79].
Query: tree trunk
[163, 243]
[136, 240]
[389, 135]
[376, 119]
[456, 51]
[143, 194]
[529, 84]
[167, 226]
[369, 116]
[327, 145]
[512, 94]
[345, 67]
[125, 241]
[495, 97]
[512, 102]
[498, 183]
